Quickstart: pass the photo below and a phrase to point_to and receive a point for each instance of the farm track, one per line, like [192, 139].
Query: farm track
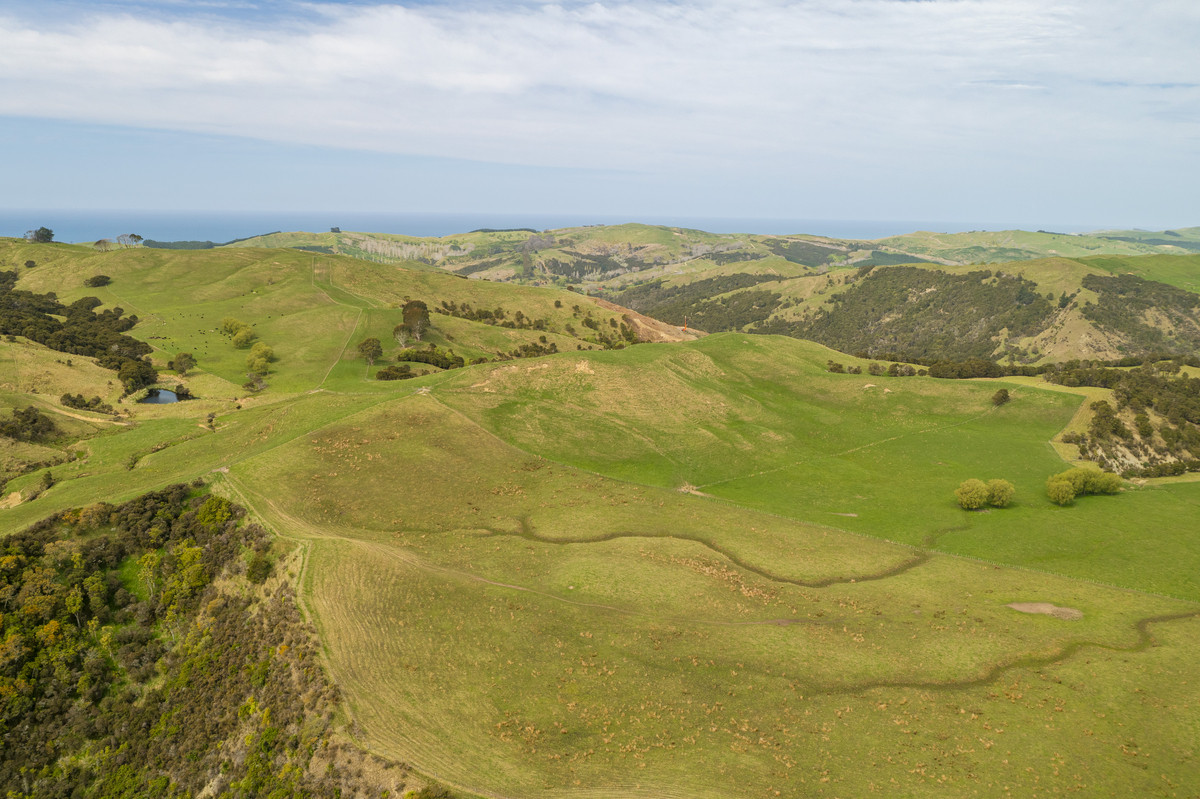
[918, 558]
[1144, 642]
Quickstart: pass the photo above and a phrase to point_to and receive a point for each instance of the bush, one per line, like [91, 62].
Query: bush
[1001, 397]
[1000, 493]
[259, 569]
[1081, 483]
[1060, 491]
[399, 372]
[243, 338]
[96, 281]
[972, 494]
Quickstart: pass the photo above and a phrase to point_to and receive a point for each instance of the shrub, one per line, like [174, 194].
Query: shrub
[1001, 397]
[1060, 490]
[1000, 493]
[399, 372]
[1082, 482]
[243, 338]
[972, 494]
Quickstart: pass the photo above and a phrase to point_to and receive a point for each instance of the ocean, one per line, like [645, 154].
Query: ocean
[222, 226]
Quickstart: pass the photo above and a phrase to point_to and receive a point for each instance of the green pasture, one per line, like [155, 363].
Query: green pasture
[758, 422]
[1180, 271]
[689, 570]
[551, 632]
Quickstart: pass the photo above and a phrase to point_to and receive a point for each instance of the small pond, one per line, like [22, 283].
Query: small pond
[159, 396]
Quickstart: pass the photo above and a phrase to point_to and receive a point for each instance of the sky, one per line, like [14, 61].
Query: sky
[1031, 112]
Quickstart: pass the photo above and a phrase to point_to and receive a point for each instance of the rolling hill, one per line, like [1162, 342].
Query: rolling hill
[613, 257]
[694, 566]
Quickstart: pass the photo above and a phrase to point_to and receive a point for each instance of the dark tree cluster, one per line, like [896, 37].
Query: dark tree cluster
[82, 332]
[28, 424]
[925, 313]
[1125, 301]
[78, 402]
[591, 266]
[400, 371]
[734, 257]
[802, 252]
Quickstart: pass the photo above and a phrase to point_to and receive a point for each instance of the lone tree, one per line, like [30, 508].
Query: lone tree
[96, 281]
[42, 235]
[182, 362]
[371, 349]
[1001, 397]
[416, 318]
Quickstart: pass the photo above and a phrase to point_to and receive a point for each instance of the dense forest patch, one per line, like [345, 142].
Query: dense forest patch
[1152, 315]
[924, 313]
[802, 252]
[131, 664]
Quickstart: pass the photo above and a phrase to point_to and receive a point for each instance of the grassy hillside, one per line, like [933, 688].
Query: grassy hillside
[701, 568]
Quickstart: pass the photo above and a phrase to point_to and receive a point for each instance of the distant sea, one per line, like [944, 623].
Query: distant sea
[223, 226]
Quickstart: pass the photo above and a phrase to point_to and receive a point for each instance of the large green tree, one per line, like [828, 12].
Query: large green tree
[371, 349]
[416, 318]
[182, 362]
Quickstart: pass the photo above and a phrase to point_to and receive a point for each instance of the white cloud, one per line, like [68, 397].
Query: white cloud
[723, 84]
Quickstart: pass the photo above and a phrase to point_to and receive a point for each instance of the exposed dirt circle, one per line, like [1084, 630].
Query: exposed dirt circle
[1045, 608]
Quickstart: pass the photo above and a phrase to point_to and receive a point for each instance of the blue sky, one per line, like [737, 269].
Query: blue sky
[1019, 111]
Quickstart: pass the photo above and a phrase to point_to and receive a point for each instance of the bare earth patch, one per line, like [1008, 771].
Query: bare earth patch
[1045, 608]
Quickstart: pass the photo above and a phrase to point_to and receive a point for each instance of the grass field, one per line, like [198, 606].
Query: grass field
[700, 569]
[568, 634]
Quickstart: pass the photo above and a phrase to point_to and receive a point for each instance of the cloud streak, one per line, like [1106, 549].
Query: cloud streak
[654, 86]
